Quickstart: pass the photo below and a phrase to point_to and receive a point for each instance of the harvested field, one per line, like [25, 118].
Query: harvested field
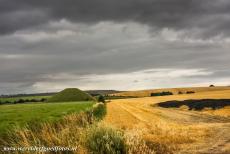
[182, 131]
[147, 93]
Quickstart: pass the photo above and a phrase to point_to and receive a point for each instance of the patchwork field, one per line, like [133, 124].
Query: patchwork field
[17, 115]
[147, 93]
[182, 130]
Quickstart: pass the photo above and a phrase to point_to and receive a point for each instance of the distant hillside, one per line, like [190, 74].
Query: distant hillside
[146, 93]
[91, 92]
[102, 92]
[70, 95]
[27, 95]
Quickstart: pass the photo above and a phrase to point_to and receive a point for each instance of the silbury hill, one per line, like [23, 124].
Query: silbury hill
[71, 95]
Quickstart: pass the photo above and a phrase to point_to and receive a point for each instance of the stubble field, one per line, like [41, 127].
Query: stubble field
[179, 130]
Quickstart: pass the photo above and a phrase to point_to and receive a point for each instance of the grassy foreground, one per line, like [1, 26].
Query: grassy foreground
[80, 133]
[19, 115]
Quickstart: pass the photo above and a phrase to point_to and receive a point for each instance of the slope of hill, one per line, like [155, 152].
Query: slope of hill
[146, 93]
[70, 95]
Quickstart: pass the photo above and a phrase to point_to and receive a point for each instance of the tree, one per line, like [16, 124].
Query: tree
[101, 99]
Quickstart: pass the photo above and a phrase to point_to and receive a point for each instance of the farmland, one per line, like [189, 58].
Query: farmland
[134, 123]
[18, 115]
[182, 130]
[147, 93]
[12, 99]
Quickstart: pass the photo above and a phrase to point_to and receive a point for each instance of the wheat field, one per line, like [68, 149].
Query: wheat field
[175, 130]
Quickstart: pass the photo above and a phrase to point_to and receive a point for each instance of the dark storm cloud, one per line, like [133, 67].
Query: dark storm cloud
[47, 45]
[208, 17]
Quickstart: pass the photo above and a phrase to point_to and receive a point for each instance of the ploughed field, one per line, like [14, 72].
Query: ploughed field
[180, 128]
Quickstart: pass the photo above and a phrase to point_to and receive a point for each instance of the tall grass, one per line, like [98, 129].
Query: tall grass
[86, 134]
[64, 133]
[103, 139]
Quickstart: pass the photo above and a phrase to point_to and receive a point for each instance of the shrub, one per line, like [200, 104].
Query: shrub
[33, 100]
[27, 100]
[43, 100]
[101, 99]
[101, 139]
[20, 101]
[99, 110]
[180, 92]
[7, 102]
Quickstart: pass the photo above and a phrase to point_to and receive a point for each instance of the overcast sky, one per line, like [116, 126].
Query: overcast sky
[49, 45]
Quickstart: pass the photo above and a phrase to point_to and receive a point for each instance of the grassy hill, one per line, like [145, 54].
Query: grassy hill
[71, 95]
[146, 93]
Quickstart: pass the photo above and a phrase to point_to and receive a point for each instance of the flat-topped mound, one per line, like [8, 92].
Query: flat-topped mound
[71, 95]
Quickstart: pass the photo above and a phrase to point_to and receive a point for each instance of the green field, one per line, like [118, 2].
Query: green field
[21, 114]
[11, 99]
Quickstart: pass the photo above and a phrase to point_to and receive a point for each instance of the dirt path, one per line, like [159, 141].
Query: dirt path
[130, 113]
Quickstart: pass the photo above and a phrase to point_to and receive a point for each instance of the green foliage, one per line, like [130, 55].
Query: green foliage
[99, 110]
[16, 100]
[101, 99]
[71, 95]
[101, 139]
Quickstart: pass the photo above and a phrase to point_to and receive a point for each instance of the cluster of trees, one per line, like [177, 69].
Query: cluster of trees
[101, 99]
[19, 101]
[164, 93]
[27, 95]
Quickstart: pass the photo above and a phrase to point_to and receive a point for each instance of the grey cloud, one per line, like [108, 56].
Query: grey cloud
[68, 43]
[208, 17]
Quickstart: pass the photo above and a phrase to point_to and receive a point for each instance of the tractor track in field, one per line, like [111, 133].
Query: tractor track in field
[129, 113]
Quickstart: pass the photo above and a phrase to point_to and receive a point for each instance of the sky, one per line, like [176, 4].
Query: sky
[50, 45]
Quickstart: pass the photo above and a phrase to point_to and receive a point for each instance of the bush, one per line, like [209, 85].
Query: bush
[20, 101]
[180, 92]
[43, 100]
[101, 99]
[101, 139]
[99, 110]
[33, 100]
